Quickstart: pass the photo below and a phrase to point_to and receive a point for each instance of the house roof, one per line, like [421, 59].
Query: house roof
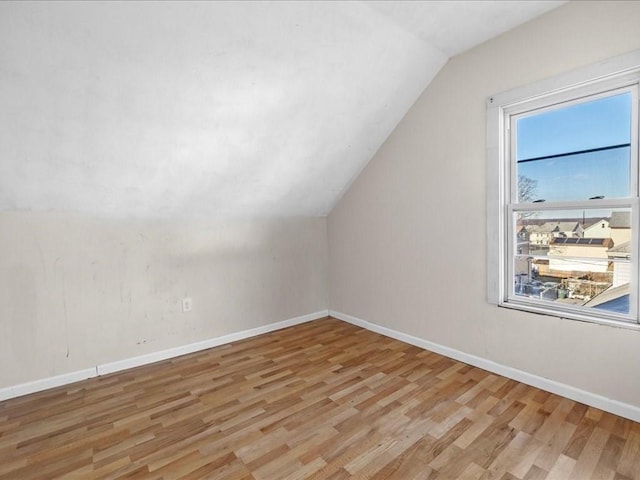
[615, 299]
[208, 109]
[619, 304]
[620, 220]
[567, 226]
[547, 227]
[551, 227]
[623, 249]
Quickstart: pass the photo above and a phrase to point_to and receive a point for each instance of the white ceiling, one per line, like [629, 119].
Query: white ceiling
[217, 109]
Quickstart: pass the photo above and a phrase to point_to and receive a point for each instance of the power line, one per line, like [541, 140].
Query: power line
[577, 152]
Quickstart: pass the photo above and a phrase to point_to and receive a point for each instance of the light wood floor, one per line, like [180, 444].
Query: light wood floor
[322, 400]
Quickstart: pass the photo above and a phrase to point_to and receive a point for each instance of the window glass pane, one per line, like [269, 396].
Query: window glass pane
[576, 257]
[575, 152]
[576, 177]
[582, 126]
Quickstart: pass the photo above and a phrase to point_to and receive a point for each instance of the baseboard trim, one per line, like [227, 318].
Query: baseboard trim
[598, 401]
[46, 383]
[210, 343]
[111, 367]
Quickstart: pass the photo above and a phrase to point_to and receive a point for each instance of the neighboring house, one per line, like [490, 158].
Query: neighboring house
[599, 229]
[582, 250]
[522, 233]
[541, 234]
[620, 225]
[621, 256]
[522, 240]
[568, 230]
[545, 233]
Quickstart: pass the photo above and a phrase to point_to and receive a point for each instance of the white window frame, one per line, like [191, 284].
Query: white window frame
[621, 72]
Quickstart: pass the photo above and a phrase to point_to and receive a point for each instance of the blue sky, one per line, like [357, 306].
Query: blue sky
[594, 124]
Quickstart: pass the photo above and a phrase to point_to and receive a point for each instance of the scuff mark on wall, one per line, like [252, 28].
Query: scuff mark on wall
[100, 301]
[64, 306]
[93, 267]
[44, 268]
[123, 273]
[66, 317]
[20, 319]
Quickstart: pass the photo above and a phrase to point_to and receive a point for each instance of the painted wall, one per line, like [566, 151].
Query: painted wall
[77, 291]
[407, 241]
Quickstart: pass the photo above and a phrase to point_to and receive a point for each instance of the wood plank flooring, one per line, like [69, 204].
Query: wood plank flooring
[322, 400]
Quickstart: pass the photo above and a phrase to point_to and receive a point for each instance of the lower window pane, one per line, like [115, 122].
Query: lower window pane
[578, 257]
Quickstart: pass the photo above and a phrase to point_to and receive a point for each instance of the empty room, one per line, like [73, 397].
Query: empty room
[319, 240]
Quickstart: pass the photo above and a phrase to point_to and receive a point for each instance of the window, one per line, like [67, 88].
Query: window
[563, 194]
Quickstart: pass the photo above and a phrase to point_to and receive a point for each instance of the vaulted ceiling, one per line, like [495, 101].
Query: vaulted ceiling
[215, 109]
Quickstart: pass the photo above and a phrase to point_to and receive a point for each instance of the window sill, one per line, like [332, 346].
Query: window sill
[528, 308]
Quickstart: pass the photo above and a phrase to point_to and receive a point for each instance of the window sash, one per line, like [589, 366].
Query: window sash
[552, 308]
[587, 94]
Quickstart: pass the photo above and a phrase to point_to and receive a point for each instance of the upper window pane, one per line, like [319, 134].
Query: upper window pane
[575, 152]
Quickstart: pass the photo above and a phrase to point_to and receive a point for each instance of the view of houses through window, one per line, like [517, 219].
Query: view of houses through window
[581, 260]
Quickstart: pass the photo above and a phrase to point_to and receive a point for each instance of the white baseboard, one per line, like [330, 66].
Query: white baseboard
[67, 378]
[210, 343]
[616, 407]
[46, 383]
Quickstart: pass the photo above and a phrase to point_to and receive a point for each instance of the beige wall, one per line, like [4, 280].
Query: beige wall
[77, 291]
[620, 235]
[407, 241]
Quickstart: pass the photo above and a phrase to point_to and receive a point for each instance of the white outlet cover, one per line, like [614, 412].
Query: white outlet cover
[187, 304]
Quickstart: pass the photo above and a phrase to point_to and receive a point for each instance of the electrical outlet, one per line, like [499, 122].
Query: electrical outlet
[187, 304]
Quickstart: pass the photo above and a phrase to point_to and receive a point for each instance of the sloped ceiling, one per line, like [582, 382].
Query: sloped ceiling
[215, 109]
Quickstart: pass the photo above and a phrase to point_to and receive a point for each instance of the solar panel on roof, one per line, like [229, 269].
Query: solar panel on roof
[578, 241]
